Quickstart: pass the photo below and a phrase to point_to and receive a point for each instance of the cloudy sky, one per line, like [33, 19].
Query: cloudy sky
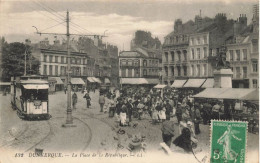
[119, 18]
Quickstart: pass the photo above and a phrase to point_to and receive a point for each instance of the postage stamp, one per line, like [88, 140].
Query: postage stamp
[228, 141]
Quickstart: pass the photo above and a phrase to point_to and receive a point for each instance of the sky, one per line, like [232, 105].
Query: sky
[119, 19]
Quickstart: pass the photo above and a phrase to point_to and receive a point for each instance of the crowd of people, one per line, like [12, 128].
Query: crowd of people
[160, 106]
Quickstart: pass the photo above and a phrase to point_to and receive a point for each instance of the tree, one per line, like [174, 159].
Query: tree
[13, 60]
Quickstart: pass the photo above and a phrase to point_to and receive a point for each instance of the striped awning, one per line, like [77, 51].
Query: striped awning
[194, 83]
[90, 79]
[160, 86]
[57, 79]
[178, 83]
[78, 81]
[209, 83]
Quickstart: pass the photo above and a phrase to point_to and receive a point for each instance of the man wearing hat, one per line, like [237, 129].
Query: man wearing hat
[129, 107]
[167, 132]
[168, 111]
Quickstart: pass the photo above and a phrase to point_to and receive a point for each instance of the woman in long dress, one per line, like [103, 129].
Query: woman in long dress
[123, 116]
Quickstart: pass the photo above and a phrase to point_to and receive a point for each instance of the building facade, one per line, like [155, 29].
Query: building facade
[134, 64]
[53, 63]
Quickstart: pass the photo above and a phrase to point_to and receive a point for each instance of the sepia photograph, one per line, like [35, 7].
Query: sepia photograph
[129, 81]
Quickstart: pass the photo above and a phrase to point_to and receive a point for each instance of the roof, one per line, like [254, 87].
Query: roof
[253, 96]
[34, 86]
[225, 93]
[209, 83]
[77, 81]
[194, 83]
[210, 92]
[32, 81]
[178, 83]
[139, 81]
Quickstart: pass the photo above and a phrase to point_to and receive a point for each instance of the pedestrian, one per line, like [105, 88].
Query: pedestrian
[123, 116]
[184, 140]
[140, 108]
[178, 112]
[65, 90]
[88, 99]
[168, 111]
[167, 132]
[101, 102]
[129, 106]
[215, 111]
[197, 119]
[74, 100]
[155, 114]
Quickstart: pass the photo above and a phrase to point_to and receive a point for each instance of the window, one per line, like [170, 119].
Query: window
[205, 52]
[166, 56]
[56, 59]
[205, 39]
[244, 72]
[254, 45]
[129, 72]
[179, 70]
[45, 58]
[192, 41]
[255, 66]
[50, 58]
[179, 56]
[185, 55]
[231, 55]
[166, 70]
[254, 83]
[238, 55]
[210, 52]
[198, 41]
[56, 70]
[136, 72]
[145, 63]
[192, 70]
[192, 54]
[50, 69]
[123, 72]
[198, 53]
[172, 68]
[130, 63]
[45, 70]
[145, 72]
[244, 54]
[72, 60]
[136, 62]
[198, 70]
[78, 61]
[205, 70]
[238, 72]
[62, 59]
[172, 54]
[123, 62]
[185, 70]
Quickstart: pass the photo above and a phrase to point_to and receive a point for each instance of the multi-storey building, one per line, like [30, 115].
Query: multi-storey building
[138, 65]
[243, 55]
[175, 52]
[53, 63]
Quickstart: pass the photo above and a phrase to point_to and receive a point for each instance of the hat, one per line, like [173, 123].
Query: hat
[179, 103]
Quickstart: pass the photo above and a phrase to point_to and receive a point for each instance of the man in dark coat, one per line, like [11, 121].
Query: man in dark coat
[168, 111]
[101, 102]
[179, 112]
[129, 107]
[88, 99]
[74, 100]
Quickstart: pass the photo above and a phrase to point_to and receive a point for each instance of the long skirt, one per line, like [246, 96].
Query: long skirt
[123, 118]
[155, 115]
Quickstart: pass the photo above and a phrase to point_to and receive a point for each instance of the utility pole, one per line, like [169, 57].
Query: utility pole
[69, 119]
[25, 61]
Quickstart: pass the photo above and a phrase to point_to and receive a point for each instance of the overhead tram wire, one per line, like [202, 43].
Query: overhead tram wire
[52, 26]
[72, 28]
[58, 15]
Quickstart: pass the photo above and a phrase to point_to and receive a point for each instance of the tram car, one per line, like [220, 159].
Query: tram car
[29, 96]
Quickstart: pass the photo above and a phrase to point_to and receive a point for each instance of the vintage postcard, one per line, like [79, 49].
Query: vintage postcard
[129, 81]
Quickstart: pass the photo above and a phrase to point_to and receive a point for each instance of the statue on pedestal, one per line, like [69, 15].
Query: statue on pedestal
[221, 59]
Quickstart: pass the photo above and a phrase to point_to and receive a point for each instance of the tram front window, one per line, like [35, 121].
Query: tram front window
[36, 94]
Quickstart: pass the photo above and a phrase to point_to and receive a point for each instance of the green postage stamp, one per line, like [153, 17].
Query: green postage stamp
[228, 141]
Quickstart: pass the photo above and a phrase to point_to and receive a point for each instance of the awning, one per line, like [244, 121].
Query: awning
[160, 86]
[235, 93]
[194, 83]
[5, 83]
[178, 83]
[34, 86]
[133, 81]
[77, 81]
[107, 81]
[96, 80]
[211, 93]
[152, 81]
[57, 79]
[90, 79]
[209, 83]
[253, 96]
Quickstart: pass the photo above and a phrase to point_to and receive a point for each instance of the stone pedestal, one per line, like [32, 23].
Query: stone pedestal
[223, 78]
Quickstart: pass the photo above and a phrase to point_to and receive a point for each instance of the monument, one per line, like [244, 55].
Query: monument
[223, 73]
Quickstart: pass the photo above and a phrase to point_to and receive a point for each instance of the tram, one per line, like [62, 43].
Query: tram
[29, 96]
